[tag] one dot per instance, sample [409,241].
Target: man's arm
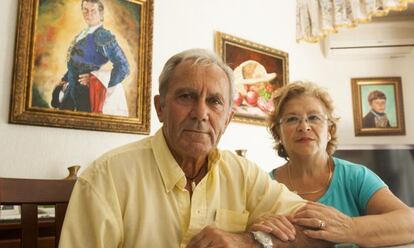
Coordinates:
[90,221]
[214,237]
[301,240]
[119,61]
[110,48]
[268,197]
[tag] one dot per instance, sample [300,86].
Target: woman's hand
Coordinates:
[324,222]
[278,225]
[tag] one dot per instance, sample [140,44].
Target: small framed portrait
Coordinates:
[258,71]
[83,64]
[378,106]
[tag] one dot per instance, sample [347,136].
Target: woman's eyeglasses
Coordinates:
[311,119]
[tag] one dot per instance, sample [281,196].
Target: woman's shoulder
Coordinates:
[278,173]
[348,168]
[355,173]
[347,165]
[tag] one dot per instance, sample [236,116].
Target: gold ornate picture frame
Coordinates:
[378,106]
[258,69]
[47,36]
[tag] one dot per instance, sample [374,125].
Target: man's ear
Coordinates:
[230,117]
[158,107]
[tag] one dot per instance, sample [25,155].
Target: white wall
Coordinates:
[44,152]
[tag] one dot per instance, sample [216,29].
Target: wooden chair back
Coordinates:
[29,193]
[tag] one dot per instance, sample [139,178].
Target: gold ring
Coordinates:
[322,224]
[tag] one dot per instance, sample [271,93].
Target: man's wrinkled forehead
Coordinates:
[91,5]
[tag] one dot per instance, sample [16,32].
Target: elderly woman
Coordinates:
[348,203]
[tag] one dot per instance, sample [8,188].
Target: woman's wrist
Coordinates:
[355,235]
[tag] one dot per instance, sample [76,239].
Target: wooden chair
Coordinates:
[29,193]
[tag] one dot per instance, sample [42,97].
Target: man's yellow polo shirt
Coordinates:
[134,196]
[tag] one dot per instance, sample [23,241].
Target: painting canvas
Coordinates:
[378,106]
[258,71]
[83,64]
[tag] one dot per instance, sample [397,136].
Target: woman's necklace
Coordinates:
[314,191]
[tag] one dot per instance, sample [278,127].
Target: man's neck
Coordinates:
[192,167]
[95,27]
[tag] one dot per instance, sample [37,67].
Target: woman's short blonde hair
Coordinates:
[293,90]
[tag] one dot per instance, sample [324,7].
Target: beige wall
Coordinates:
[43,152]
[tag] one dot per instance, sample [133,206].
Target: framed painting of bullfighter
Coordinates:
[83,64]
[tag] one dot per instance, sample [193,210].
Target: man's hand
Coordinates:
[214,237]
[84,79]
[64,85]
[280,226]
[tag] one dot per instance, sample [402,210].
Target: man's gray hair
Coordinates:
[198,56]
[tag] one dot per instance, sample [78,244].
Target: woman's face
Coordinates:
[304,127]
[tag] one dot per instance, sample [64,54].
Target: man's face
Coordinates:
[91,13]
[378,105]
[195,111]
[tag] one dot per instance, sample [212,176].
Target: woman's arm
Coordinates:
[388,221]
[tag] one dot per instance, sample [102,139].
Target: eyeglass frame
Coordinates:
[322,117]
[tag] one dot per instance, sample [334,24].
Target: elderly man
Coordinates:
[85,86]
[176,189]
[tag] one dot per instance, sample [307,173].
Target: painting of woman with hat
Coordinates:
[254,89]
[258,71]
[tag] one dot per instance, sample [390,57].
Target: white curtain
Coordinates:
[317,18]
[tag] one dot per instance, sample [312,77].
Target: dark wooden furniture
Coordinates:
[29,193]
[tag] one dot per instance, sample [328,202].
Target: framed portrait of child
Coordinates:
[378,106]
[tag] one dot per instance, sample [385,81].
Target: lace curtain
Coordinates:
[317,18]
